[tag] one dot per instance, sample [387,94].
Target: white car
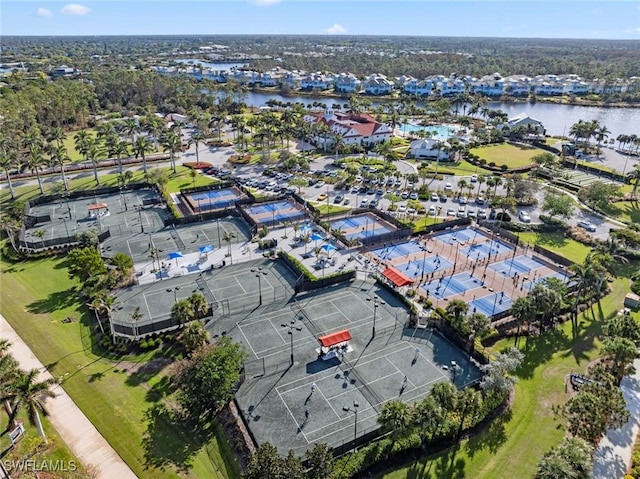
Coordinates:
[434,197]
[471,213]
[413,196]
[524,217]
[432,210]
[463,200]
[402,208]
[474,178]
[482,214]
[587,226]
[448,187]
[451,212]
[411,211]
[462,212]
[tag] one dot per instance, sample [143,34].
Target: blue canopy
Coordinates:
[175,254]
[206,249]
[316,237]
[305,229]
[328,247]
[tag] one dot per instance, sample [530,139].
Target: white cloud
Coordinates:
[264,3]
[336,29]
[75,9]
[43,12]
[632,30]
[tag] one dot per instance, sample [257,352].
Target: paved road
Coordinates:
[613,454]
[72,425]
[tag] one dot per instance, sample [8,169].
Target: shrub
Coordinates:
[635,287]
[504,167]
[203,165]
[492,164]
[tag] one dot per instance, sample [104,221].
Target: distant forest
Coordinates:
[361,55]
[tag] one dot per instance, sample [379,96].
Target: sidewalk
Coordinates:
[613,454]
[72,425]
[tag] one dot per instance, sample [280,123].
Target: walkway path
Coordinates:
[72,425]
[613,454]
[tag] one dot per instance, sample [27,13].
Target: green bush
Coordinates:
[635,287]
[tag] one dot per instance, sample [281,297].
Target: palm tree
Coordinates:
[9,372]
[28,393]
[634,176]
[34,162]
[194,336]
[119,150]
[523,312]
[428,415]
[469,402]
[130,127]
[135,317]
[228,237]
[59,157]
[141,147]
[196,139]
[395,416]
[8,161]
[456,310]
[462,184]
[172,143]
[93,151]
[198,304]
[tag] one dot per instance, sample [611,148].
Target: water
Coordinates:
[439,132]
[557,119]
[212,65]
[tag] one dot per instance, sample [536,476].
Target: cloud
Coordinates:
[336,29]
[264,3]
[632,30]
[75,9]
[43,12]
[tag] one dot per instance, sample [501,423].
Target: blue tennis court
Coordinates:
[421,266]
[397,250]
[269,208]
[520,264]
[495,303]
[374,230]
[480,251]
[528,285]
[461,236]
[213,195]
[445,287]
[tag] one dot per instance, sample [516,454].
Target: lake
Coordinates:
[214,66]
[557,119]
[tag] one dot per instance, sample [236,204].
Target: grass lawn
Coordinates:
[325,208]
[516,441]
[556,242]
[182,179]
[418,223]
[70,143]
[462,168]
[126,409]
[506,154]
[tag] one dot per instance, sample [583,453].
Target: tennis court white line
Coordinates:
[144,295]
[246,340]
[278,332]
[300,428]
[347,419]
[328,402]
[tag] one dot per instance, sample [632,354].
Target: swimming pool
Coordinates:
[439,132]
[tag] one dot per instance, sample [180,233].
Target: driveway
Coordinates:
[613,454]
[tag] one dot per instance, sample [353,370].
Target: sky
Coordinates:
[480,18]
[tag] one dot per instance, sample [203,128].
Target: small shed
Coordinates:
[334,344]
[632,301]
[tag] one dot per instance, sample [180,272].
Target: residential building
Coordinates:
[355,129]
[431,148]
[378,85]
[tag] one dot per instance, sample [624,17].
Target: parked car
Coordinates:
[474,178]
[402,208]
[320,184]
[338,199]
[479,200]
[346,201]
[471,213]
[444,198]
[404,195]
[434,197]
[373,203]
[524,217]
[323,197]
[463,200]
[462,212]
[482,214]
[432,210]
[413,196]
[451,212]
[364,203]
[411,211]
[587,226]
[448,187]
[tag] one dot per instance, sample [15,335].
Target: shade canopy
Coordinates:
[335,338]
[316,237]
[206,249]
[97,206]
[175,254]
[396,277]
[328,247]
[305,229]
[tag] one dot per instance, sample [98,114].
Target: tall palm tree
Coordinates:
[93,152]
[172,143]
[228,237]
[522,310]
[29,393]
[120,149]
[141,147]
[8,161]
[198,304]
[634,176]
[9,372]
[428,415]
[196,139]
[136,316]
[34,162]
[59,157]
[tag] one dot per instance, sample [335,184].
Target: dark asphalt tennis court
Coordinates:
[274,396]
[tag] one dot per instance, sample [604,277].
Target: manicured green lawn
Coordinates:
[506,154]
[556,242]
[419,223]
[182,179]
[70,143]
[35,297]
[513,444]
[325,208]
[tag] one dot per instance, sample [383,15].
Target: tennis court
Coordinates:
[461,236]
[424,266]
[488,248]
[520,264]
[397,250]
[214,199]
[362,226]
[452,285]
[271,214]
[528,285]
[491,305]
[312,400]
[373,230]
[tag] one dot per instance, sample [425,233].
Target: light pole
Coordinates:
[65,227]
[354,410]
[174,290]
[291,326]
[259,273]
[376,302]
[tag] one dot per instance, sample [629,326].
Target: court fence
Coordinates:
[306,281]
